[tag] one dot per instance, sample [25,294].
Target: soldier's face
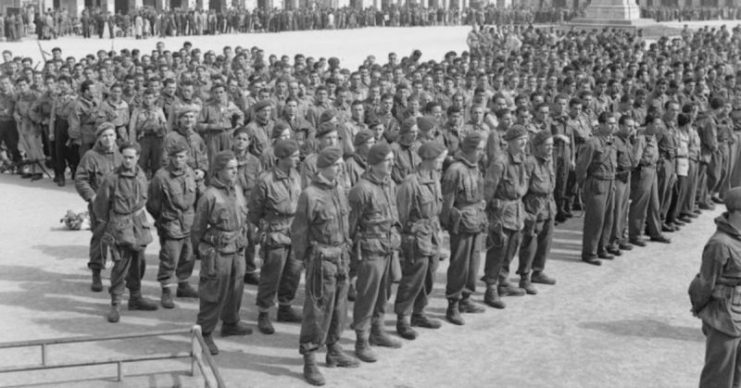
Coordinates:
[384,167]
[241,141]
[229,173]
[329,139]
[116,94]
[107,139]
[129,157]
[188,120]
[545,150]
[378,131]
[332,171]
[179,160]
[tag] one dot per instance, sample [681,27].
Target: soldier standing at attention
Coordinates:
[94,166]
[272,206]
[249,170]
[374,223]
[463,216]
[541,210]
[172,197]
[595,174]
[715,297]
[321,240]
[217,120]
[148,126]
[419,200]
[218,236]
[507,181]
[119,207]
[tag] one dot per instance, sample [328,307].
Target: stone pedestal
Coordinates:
[612,14]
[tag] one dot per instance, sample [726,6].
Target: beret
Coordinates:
[431,150]
[541,137]
[278,130]
[242,129]
[425,123]
[733,199]
[514,132]
[372,121]
[325,128]
[378,153]
[104,127]
[221,159]
[407,125]
[260,105]
[328,157]
[362,137]
[177,147]
[683,119]
[285,148]
[327,115]
[471,141]
[188,109]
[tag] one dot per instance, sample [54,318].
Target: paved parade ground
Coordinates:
[624,324]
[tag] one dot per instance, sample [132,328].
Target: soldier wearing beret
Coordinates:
[119,207]
[172,198]
[358,163]
[419,201]
[374,223]
[405,150]
[218,238]
[540,209]
[716,297]
[463,216]
[327,136]
[272,207]
[261,127]
[507,181]
[321,240]
[94,166]
[185,130]
[595,174]
[281,131]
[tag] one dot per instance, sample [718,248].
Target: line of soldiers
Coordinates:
[353,175]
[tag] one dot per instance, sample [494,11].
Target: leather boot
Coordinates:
[540,277]
[166,299]
[337,357]
[421,320]
[526,285]
[138,302]
[491,298]
[507,289]
[466,306]
[453,315]
[239,328]
[185,290]
[97,285]
[210,344]
[404,328]
[362,347]
[264,324]
[311,371]
[252,279]
[114,315]
[286,313]
[379,337]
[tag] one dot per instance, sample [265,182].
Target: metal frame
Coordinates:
[203,360]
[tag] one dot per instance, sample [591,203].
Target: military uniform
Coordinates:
[405,160]
[249,170]
[627,159]
[93,168]
[82,120]
[172,198]
[148,126]
[8,129]
[218,236]
[644,193]
[272,207]
[64,154]
[119,207]
[595,174]
[197,152]
[463,216]
[666,166]
[563,155]
[216,125]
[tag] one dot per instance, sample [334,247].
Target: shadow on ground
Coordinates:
[648,328]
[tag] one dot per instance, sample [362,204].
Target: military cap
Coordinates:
[431,150]
[514,132]
[104,127]
[362,137]
[325,128]
[541,137]
[278,130]
[425,123]
[242,129]
[328,157]
[733,199]
[372,121]
[471,141]
[378,153]
[260,105]
[177,147]
[187,109]
[327,115]
[407,125]
[285,148]
[221,159]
